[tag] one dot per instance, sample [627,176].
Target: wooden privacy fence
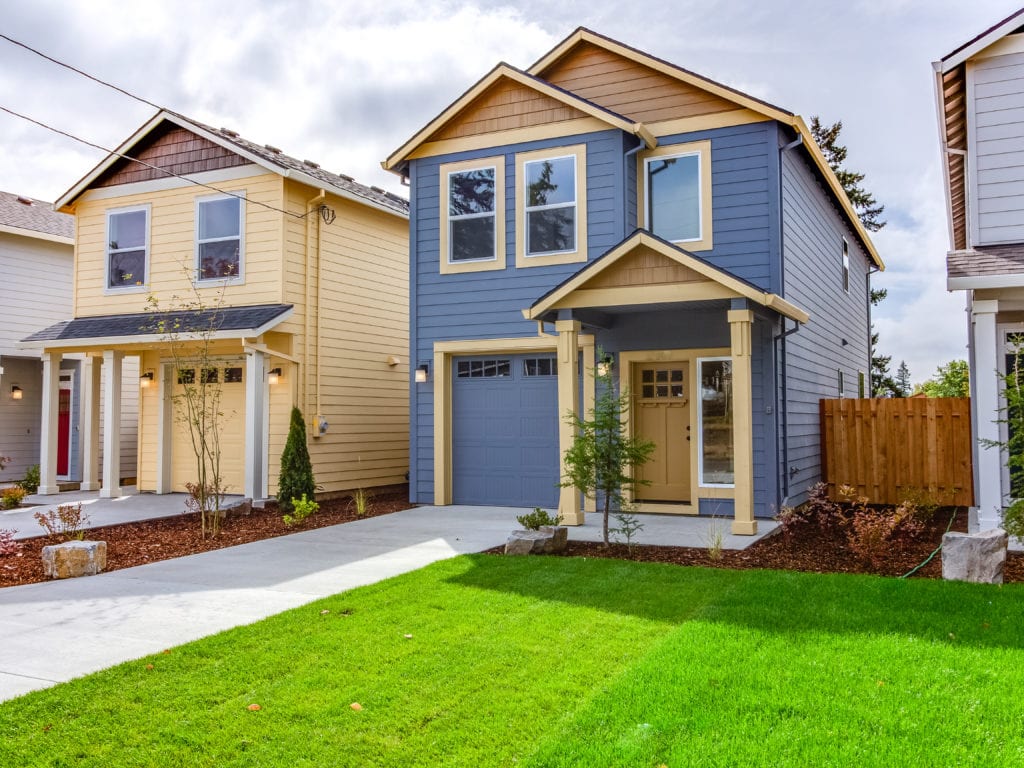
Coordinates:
[899,448]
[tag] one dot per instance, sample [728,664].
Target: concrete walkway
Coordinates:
[55,631]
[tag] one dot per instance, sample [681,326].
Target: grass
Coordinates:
[559,661]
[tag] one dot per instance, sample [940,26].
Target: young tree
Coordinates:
[603,459]
[950,380]
[296,478]
[903,380]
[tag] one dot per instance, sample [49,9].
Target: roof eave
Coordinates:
[36,234]
[981,42]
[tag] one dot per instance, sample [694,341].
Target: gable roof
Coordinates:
[267,157]
[745,104]
[22,215]
[694,270]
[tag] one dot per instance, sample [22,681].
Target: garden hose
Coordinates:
[936,551]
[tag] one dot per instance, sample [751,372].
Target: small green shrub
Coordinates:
[11,498]
[361,503]
[30,483]
[1013,520]
[302,509]
[296,478]
[534,521]
[68,522]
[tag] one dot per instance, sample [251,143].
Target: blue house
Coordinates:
[606,200]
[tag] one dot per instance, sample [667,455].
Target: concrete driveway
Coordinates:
[55,631]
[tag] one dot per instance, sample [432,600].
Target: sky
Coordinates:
[345,83]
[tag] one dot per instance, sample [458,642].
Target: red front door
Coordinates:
[63,431]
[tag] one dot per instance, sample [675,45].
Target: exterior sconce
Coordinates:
[274,376]
[605,365]
[16,393]
[146,379]
[422,373]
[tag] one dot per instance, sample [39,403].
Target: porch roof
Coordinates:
[153,327]
[643,270]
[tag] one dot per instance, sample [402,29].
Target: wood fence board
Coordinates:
[890,450]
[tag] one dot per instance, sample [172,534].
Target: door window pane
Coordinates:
[716,423]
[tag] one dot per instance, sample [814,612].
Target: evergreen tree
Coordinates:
[863,202]
[296,477]
[903,379]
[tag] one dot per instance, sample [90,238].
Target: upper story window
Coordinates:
[219,238]
[128,247]
[846,266]
[675,194]
[472,220]
[551,206]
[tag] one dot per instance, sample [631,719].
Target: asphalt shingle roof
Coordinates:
[149,323]
[986,260]
[35,215]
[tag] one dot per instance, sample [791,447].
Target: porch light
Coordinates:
[16,393]
[605,365]
[146,379]
[274,376]
[422,373]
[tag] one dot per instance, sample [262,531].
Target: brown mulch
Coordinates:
[148,541]
[811,550]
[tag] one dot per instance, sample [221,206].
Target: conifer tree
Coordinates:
[296,476]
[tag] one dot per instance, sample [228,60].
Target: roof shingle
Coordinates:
[25,213]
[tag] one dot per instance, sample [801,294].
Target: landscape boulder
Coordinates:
[243,507]
[976,557]
[548,540]
[74,558]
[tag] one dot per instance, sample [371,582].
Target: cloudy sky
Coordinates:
[344,83]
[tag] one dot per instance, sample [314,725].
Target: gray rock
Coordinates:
[559,537]
[546,541]
[74,558]
[977,557]
[243,507]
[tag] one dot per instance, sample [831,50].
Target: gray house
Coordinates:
[604,199]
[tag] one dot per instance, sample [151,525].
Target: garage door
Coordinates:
[505,431]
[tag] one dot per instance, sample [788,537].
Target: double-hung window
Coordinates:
[551,206]
[675,194]
[127,247]
[472,226]
[219,238]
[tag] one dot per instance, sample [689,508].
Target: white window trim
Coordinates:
[846,266]
[494,262]
[700,149]
[238,279]
[578,254]
[528,209]
[697,384]
[118,289]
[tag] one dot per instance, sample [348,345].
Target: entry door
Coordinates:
[661,414]
[63,429]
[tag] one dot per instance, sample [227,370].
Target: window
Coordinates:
[675,194]
[717,467]
[232,375]
[551,206]
[540,366]
[483,369]
[861,384]
[219,237]
[127,247]
[842,383]
[472,220]
[187,376]
[846,266]
[209,375]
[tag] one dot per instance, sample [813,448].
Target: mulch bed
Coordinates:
[148,541]
[811,550]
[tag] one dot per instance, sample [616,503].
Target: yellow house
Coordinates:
[299,277]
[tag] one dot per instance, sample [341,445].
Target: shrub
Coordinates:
[534,521]
[360,503]
[30,483]
[8,546]
[68,522]
[303,508]
[873,533]
[1013,519]
[11,498]
[296,478]
[819,511]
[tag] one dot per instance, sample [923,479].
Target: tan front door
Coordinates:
[661,414]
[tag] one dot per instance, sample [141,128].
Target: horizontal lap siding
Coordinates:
[363,317]
[172,248]
[997,119]
[32,269]
[813,232]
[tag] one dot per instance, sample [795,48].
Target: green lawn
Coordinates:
[557,661]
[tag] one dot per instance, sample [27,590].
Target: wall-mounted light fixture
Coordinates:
[422,373]
[16,393]
[605,365]
[274,376]
[146,379]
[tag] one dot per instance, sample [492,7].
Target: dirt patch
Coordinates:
[148,541]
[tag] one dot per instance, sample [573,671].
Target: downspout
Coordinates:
[782,405]
[317,429]
[625,186]
[307,315]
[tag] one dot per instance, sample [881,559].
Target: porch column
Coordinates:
[255,423]
[48,424]
[988,491]
[91,370]
[111,424]
[164,427]
[569,508]
[743,522]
